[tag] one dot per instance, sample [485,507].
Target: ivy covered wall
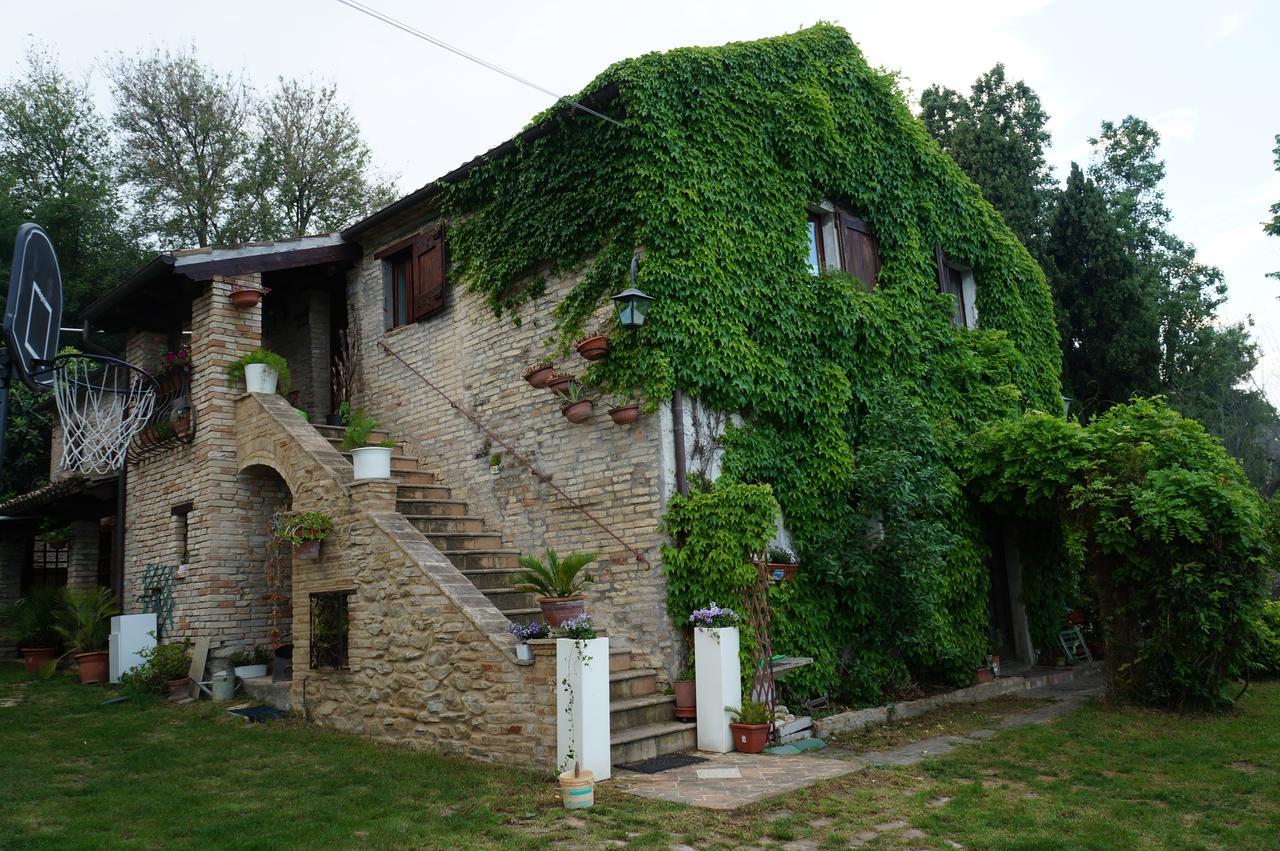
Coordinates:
[856,404]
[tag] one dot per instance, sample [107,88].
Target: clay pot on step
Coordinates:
[557,610]
[749,738]
[983,675]
[92,667]
[686,699]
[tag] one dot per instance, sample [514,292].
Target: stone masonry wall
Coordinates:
[430,664]
[478,361]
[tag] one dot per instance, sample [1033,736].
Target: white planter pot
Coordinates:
[246,672]
[719,684]
[524,653]
[372,462]
[582,706]
[260,378]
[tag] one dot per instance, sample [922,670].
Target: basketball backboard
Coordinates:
[33,310]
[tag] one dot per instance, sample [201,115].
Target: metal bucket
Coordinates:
[224,685]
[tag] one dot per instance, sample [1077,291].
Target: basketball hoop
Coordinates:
[103,402]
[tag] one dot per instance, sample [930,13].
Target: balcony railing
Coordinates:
[173,421]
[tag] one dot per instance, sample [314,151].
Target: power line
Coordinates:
[417,33]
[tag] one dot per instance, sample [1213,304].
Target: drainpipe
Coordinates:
[117,557]
[677,428]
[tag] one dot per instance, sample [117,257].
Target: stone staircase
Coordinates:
[642,722]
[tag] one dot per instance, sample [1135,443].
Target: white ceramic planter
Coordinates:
[719,684]
[372,462]
[247,672]
[582,706]
[524,653]
[260,378]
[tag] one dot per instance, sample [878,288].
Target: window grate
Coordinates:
[329,631]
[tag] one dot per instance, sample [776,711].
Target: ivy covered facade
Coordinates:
[821,269]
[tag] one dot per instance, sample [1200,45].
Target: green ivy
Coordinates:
[855,405]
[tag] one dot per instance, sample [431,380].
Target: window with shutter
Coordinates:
[413,278]
[959,283]
[428,276]
[859,254]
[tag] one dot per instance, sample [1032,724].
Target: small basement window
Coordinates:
[329,631]
[413,278]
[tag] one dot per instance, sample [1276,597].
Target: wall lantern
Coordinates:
[632,304]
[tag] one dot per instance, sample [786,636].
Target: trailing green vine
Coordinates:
[855,405]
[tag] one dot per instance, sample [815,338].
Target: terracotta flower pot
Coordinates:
[557,610]
[308,550]
[749,738]
[594,348]
[36,658]
[182,425]
[983,675]
[178,689]
[539,375]
[624,415]
[245,298]
[578,412]
[60,544]
[686,699]
[92,667]
[170,382]
[782,571]
[559,384]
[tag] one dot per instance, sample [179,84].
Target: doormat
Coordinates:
[666,762]
[258,714]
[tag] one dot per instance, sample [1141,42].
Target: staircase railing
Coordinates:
[514,453]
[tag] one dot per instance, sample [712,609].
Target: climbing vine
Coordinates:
[854,404]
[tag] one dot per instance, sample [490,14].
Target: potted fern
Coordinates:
[262,371]
[559,582]
[371,460]
[85,626]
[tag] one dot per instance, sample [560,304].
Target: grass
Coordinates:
[952,720]
[77,774]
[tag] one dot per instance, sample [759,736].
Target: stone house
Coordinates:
[418,567]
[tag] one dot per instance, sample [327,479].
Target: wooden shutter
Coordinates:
[951,283]
[859,254]
[428,276]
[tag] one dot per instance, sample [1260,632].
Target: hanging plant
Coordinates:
[539,375]
[579,407]
[245,296]
[304,531]
[559,384]
[595,347]
[626,411]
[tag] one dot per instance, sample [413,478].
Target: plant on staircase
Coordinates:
[371,459]
[262,372]
[559,582]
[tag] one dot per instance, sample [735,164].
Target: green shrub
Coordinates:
[161,663]
[304,526]
[1266,649]
[360,426]
[32,620]
[84,621]
[235,369]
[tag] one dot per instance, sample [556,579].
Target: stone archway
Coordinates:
[263,613]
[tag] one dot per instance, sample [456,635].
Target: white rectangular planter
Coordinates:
[130,635]
[260,378]
[582,706]
[371,462]
[719,684]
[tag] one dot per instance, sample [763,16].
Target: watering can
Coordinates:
[225,684]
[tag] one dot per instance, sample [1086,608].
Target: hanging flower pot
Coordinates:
[244,296]
[593,348]
[578,412]
[625,414]
[182,425]
[307,550]
[559,384]
[782,571]
[539,375]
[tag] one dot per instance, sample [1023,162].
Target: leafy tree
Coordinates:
[312,169]
[1109,326]
[185,135]
[997,136]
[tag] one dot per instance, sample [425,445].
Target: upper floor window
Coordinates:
[413,278]
[840,240]
[958,282]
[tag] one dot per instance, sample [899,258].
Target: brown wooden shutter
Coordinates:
[859,254]
[428,276]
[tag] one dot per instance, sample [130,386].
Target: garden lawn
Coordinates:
[77,774]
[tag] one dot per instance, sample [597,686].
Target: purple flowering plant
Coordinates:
[579,628]
[528,632]
[714,617]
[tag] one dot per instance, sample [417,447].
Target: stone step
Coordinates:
[493,577]
[633,682]
[510,599]
[413,478]
[443,507]
[264,690]
[466,560]
[465,541]
[336,432]
[619,659]
[429,495]
[651,740]
[522,616]
[641,711]
[449,524]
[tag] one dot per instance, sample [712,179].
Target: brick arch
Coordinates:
[268,461]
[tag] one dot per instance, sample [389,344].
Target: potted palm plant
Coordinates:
[304,530]
[262,372]
[559,582]
[371,459]
[85,625]
[31,624]
[750,726]
[578,407]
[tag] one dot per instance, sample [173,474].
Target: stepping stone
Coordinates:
[719,774]
[809,745]
[783,750]
[891,825]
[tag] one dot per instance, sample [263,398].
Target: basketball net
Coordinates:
[103,404]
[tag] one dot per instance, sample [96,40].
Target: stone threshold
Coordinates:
[858,719]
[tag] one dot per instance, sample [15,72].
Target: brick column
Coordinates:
[82,555]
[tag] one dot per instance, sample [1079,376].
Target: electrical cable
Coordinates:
[417,33]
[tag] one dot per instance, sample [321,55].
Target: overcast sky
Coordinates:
[1204,74]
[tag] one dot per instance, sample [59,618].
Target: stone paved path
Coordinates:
[728,781]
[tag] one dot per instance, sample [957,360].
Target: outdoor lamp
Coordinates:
[632,304]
